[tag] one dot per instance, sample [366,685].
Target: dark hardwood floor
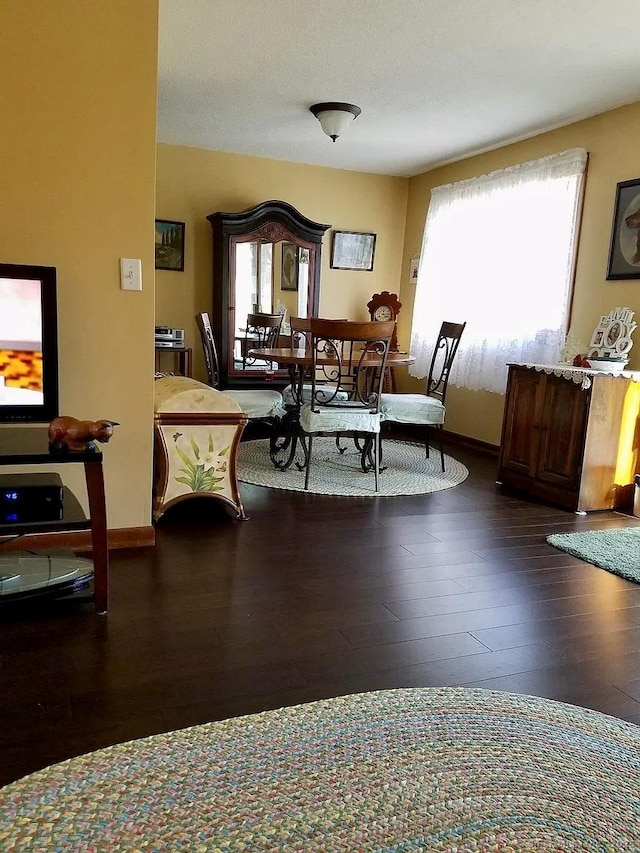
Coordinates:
[315,597]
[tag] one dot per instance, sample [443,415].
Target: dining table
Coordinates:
[298,361]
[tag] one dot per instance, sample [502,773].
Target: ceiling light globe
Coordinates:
[335,117]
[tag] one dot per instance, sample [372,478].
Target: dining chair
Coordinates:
[300,332]
[428,409]
[261,330]
[347,370]
[298,392]
[258,404]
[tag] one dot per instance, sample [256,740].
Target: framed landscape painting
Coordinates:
[169,245]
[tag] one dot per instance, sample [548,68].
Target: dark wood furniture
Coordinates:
[303,358]
[259,404]
[382,307]
[184,358]
[298,361]
[30,446]
[572,443]
[428,410]
[386,306]
[342,353]
[261,330]
[269,222]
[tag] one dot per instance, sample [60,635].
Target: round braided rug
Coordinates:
[407,472]
[399,770]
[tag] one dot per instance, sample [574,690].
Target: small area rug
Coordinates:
[407,472]
[617,551]
[443,770]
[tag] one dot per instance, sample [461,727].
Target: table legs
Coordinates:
[99,547]
[287,443]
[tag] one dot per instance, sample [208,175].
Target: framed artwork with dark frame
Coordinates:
[624,251]
[169,245]
[352,250]
[289,271]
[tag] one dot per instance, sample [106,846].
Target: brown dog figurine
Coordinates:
[70,434]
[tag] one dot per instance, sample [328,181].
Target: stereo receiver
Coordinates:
[30,497]
[167,337]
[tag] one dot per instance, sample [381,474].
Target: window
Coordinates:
[498,252]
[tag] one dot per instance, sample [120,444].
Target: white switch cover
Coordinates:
[130,273]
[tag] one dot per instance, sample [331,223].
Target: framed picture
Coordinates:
[413,270]
[352,250]
[612,336]
[290,261]
[169,245]
[624,252]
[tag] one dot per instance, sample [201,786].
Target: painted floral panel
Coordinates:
[199,459]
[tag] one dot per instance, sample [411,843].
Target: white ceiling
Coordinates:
[437,80]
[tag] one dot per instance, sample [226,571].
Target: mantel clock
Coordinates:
[385,306]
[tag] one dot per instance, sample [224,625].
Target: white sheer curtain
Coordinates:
[498,252]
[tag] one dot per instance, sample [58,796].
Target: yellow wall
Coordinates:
[192,183]
[77,184]
[614,155]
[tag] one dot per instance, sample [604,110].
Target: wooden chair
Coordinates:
[261,330]
[259,404]
[300,332]
[428,409]
[301,338]
[350,359]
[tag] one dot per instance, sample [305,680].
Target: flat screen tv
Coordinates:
[28,344]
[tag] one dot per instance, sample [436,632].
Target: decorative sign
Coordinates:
[611,338]
[413,270]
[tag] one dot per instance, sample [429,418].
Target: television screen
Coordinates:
[28,344]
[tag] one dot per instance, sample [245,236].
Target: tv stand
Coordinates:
[21,445]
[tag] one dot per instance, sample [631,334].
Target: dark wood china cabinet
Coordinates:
[266,259]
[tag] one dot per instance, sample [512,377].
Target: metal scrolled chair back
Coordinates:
[348,348]
[265,328]
[261,330]
[442,359]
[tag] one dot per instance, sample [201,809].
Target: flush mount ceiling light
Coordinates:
[335,117]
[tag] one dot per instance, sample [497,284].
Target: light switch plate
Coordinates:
[130,273]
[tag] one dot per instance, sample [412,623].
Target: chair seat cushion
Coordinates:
[289,398]
[338,418]
[411,409]
[258,403]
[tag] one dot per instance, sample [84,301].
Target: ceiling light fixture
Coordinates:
[335,117]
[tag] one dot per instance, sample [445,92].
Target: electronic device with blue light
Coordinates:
[30,497]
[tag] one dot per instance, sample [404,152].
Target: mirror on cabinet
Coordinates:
[266,260]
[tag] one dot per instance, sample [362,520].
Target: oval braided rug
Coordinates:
[408,471]
[398,770]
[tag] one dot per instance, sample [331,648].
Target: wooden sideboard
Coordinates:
[570,436]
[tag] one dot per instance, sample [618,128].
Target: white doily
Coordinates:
[580,375]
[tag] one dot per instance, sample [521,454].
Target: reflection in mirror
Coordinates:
[253,292]
[265,260]
[270,278]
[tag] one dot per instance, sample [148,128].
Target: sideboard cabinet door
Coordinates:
[521,424]
[565,406]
